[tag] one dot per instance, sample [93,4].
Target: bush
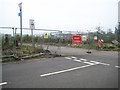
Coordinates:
[109,47]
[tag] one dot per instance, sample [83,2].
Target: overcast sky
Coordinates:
[65,15]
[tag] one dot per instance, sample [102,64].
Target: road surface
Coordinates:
[76,69]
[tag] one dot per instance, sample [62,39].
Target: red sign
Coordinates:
[76,39]
[20,5]
[99,43]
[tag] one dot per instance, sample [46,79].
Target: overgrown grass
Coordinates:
[9,55]
[27,49]
[105,47]
[110,47]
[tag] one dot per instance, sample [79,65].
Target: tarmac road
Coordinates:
[76,69]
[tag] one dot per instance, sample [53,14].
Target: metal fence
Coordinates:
[40,41]
[43,39]
[31,41]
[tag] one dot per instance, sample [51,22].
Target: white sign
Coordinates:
[95,37]
[84,38]
[102,40]
[32,25]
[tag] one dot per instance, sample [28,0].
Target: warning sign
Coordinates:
[99,43]
[84,38]
[46,35]
[76,39]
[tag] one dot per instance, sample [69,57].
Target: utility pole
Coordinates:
[20,14]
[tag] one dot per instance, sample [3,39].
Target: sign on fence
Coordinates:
[76,39]
[84,37]
[46,35]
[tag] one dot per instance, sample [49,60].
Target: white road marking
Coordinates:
[83,59]
[73,57]
[67,70]
[67,58]
[95,62]
[89,63]
[117,66]
[3,83]
[78,60]
[105,64]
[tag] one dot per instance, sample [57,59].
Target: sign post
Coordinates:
[46,39]
[32,26]
[20,14]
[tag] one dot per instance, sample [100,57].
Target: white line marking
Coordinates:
[83,59]
[105,64]
[78,60]
[117,66]
[67,58]
[89,63]
[3,83]
[62,71]
[92,62]
[95,62]
[86,62]
[73,57]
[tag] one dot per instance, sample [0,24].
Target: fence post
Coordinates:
[33,44]
[13,42]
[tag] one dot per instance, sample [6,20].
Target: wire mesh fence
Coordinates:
[31,42]
[43,41]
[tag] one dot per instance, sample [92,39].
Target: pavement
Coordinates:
[76,69]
